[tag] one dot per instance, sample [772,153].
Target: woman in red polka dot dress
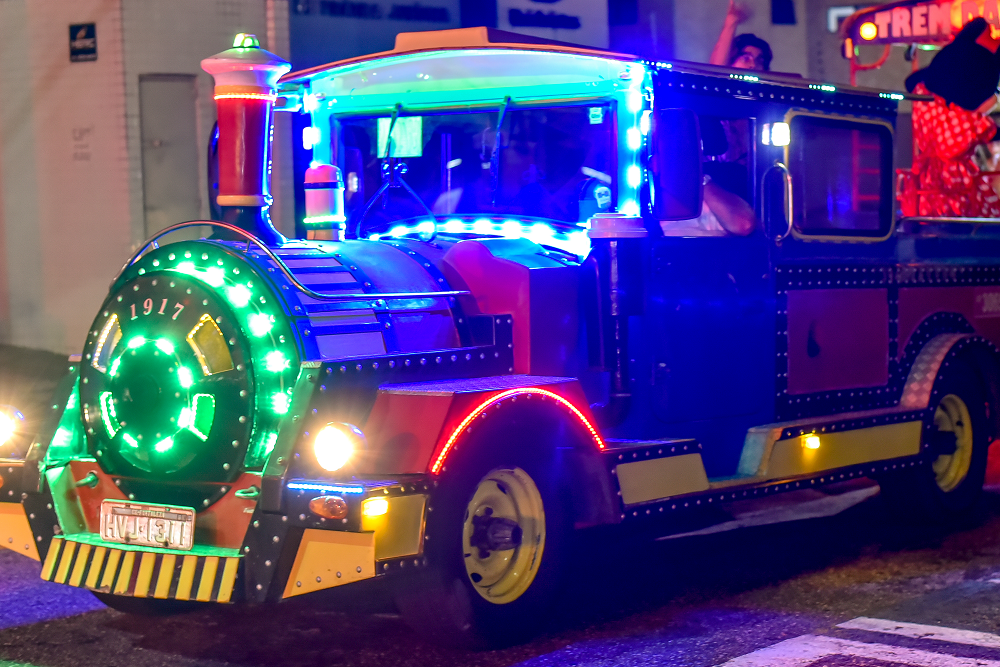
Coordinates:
[962,79]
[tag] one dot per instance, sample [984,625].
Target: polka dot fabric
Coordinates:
[945,181]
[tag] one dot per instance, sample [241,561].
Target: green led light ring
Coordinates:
[253,300]
[163,455]
[144,415]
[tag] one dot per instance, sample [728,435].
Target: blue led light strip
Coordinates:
[326,488]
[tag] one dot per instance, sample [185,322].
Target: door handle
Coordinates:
[789,204]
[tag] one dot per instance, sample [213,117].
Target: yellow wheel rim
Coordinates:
[503,535]
[952,416]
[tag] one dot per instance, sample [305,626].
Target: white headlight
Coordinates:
[11,421]
[335,444]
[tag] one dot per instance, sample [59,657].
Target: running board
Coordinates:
[654,476]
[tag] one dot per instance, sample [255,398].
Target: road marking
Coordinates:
[918,631]
[807,649]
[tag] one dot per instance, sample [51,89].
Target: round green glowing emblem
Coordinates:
[187,373]
[168,388]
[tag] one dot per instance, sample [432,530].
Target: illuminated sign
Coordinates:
[922,22]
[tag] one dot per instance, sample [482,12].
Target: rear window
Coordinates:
[841,176]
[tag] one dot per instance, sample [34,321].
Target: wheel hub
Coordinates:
[952,422]
[492,533]
[503,535]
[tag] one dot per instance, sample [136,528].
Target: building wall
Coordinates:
[64,166]
[71,195]
[643,27]
[173,38]
[324,31]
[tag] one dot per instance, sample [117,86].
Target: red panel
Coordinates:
[408,428]
[500,286]
[224,524]
[979,305]
[402,431]
[837,339]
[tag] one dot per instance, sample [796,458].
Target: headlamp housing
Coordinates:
[336,444]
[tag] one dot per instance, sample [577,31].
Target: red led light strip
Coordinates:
[247,96]
[493,400]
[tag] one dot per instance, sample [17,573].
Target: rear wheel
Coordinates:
[947,486]
[496,543]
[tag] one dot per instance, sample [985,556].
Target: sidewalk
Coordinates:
[27,380]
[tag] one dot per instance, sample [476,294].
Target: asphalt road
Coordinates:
[849,589]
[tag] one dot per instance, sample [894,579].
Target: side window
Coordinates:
[726,145]
[841,177]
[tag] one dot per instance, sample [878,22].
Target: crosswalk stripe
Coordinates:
[807,649]
[917,631]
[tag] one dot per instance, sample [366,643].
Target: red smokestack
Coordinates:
[246,77]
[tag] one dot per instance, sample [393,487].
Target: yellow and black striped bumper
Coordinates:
[143,574]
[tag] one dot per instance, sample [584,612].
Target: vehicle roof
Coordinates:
[465,56]
[409,43]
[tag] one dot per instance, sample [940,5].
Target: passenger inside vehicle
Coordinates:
[726,206]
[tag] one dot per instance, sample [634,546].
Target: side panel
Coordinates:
[15,533]
[328,558]
[980,305]
[837,339]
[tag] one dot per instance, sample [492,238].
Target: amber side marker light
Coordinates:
[329,507]
[868,31]
[375,507]
[810,441]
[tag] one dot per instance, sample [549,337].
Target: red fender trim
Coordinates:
[501,396]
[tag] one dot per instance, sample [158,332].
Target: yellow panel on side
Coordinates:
[400,531]
[792,457]
[15,533]
[328,558]
[643,481]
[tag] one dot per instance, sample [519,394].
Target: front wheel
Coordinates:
[495,547]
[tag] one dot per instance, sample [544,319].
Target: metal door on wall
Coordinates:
[169,135]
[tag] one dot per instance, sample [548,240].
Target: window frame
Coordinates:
[611,102]
[885,231]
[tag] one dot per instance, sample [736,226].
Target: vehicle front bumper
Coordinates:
[285,554]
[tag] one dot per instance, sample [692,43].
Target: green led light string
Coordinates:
[195,331]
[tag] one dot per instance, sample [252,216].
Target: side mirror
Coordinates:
[676,164]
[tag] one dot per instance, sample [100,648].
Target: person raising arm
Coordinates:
[747,51]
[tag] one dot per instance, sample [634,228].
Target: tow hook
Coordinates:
[490,533]
[90,481]
[248,493]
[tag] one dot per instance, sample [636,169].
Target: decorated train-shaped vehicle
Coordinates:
[546,289]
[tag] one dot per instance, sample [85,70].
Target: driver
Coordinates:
[725,209]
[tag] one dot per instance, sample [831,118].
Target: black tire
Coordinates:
[945,491]
[147,606]
[443,601]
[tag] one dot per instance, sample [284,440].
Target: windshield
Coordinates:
[554,163]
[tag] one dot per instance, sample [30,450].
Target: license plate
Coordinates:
[162,526]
